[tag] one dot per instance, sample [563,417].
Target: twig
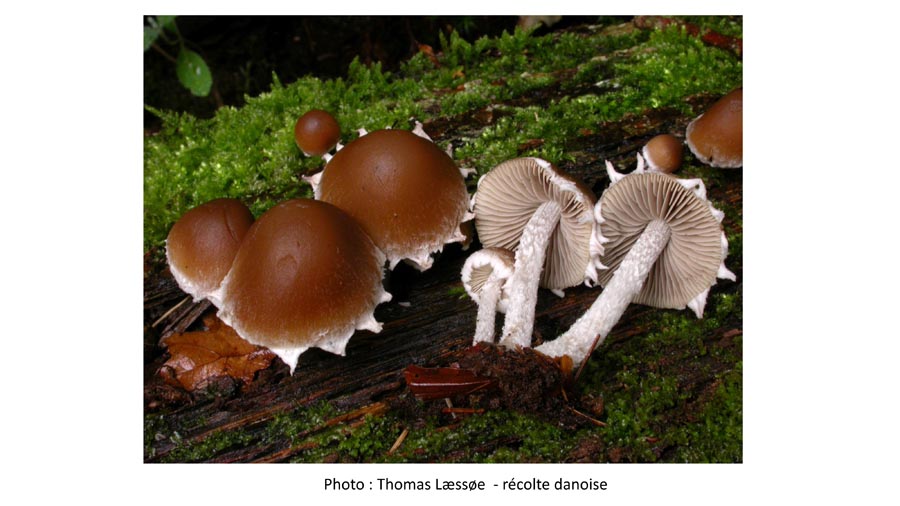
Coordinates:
[170,311]
[591,419]
[399,441]
[586,357]
[164,53]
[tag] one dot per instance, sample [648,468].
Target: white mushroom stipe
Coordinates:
[314,181]
[487,310]
[523,284]
[485,276]
[420,131]
[665,247]
[615,298]
[561,246]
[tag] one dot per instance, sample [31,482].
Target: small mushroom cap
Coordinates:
[508,196]
[716,137]
[305,276]
[316,132]
[690,261]
[483,265]
[202,244]
[663,153]
[407,194]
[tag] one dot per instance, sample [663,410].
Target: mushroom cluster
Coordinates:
[308,273]
[651,239]
[545,216]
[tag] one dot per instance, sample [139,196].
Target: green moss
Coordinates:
[292,425]
[645,398]
[717,436]
[207,448]
[672,65]
[496,436]
[249,153]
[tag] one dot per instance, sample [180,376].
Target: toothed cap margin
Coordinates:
[305,276]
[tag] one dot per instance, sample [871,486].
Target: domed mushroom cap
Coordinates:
[690,261]
[316,132]
[407,194]
[484,265]
[305,276]
[663,153]
[202,244]
[508,196]
[716,137]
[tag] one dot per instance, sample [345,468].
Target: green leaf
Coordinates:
[166,22]
[150,36]
[193,72]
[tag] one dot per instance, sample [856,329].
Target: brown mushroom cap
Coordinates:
[202,244]
[316,132]
[305,276]
[716,137]
[407,194]
[508,196]
[690,261]
[663,153]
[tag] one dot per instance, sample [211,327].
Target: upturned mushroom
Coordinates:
[664,246]
[716,137]
[317,132]
[202,244]
[306,276]
[663,153]
[529,206]
[408,195]
[484,275]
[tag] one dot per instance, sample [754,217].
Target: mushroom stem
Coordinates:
[604,313]
[523,284]
[487,310]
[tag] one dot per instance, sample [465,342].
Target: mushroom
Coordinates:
[716,137]
[663,153]
[407,194]
[317,132]
[484,276]
[664,246]
[201,245]
[306,276]
[529,206]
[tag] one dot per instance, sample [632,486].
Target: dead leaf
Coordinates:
[197,357]
[429,52]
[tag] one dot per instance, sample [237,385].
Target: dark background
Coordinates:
[243,52]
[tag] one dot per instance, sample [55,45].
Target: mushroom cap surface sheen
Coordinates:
[202,244]
[509,195]
[663,153]
[316,132]
[407,194]
[305,276]
[716,137]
